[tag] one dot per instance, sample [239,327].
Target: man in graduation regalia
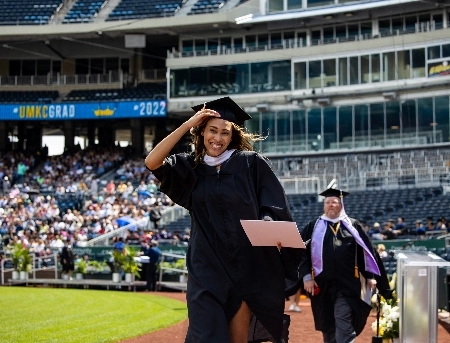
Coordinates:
[339,266]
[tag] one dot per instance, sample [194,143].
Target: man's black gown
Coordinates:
[224,269]
[339,274]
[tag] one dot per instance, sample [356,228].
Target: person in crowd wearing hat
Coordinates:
[375,232]
[339,260]
[231,284]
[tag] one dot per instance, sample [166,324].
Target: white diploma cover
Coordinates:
[268,233]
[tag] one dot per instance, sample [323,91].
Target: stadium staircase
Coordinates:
[61,12]
[106,10]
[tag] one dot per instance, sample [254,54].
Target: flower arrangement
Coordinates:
[388,324]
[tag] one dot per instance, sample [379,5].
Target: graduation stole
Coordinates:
[318,235]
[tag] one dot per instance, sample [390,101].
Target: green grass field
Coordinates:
[71,315]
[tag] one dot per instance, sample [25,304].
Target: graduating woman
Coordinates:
[232,286]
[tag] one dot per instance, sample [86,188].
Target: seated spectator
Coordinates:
[440,225]
[375,232]
[382,251]
[110,188]
[400,227]
[430,226]
[420,229]
[387,232]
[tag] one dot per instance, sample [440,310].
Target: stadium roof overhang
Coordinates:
[346,10]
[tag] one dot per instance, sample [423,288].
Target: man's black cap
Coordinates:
[227,109]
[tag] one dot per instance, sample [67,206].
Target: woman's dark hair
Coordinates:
[240,140]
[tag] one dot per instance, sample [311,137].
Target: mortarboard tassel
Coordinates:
[356,272]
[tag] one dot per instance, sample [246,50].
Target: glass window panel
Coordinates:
[280,76]
[343,71]
[384,26]
[377,125]
[43,67]
[259,76]
[97,65]
[434,52]
[329,128]
[442,113]
[300,75]
[275,40]
[252,125]
[125,65]
[418,62]
[345,128]
[15,67]
[275,5]
[213,44]
[187,45]
[393,123]
[28,67]
[404,64]
[316,37]
[446,50]
[283,131]
[200,45]
[81,66]
[366,29]
[263,40]
[314,74]
[425,117]
[268,129]
[361,126]
[365,69]
[410,23]
[328,34]
[315,139]
[56,67]
[301,37]
[354,70]
[226,42]
[250,41]
[329,71]
[438,20]
[238,44]
[294,4]
[408,119]
[424,17]
[397,25]
[353,31]
[316,3]
[112,64]
[375,65]
[341,31]
[389,66]
[299,130]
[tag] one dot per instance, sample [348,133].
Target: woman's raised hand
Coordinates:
[199,117]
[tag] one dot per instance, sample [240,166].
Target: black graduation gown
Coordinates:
[339,274]
[224,269]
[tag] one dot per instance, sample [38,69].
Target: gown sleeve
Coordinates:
[272,202]
[177,179]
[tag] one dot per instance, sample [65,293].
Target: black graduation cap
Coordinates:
[227,108]
[331,191]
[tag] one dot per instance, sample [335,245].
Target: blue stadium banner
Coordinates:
[91,110]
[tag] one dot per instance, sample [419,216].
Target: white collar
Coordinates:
[215,161]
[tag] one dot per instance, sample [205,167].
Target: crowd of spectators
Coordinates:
[392,229]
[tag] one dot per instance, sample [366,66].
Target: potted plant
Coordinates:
[16,256]
[25,264]
[80,269]
[118,260]
[131,267]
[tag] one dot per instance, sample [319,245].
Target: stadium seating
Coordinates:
[83,11]
[29,12]
[28,96]
[206,6]
[136,9]
[155,91]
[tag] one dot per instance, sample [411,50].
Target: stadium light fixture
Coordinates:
[244,19]
[389,95]
[261,107]
[324,101]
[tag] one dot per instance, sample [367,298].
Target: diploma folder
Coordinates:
[268,233]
